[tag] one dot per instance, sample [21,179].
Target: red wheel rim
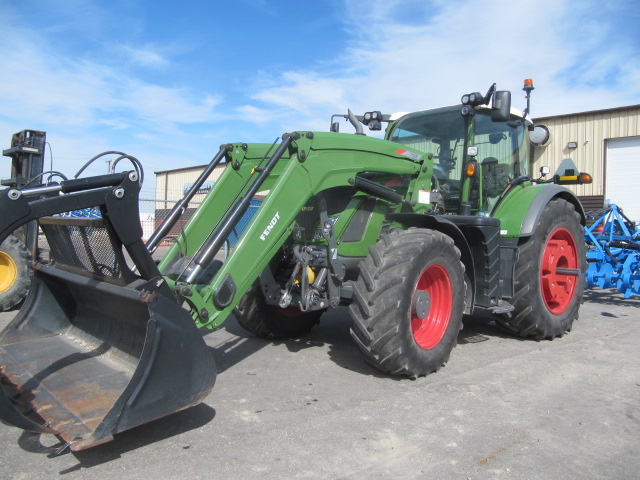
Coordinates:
[558,288]
[428,331]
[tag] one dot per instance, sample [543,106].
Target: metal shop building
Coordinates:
[171,185]
[604,143]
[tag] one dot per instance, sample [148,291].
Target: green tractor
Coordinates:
[412,231]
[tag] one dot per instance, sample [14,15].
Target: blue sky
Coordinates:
[169,82]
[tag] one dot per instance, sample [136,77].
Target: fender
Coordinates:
[450,229]
[520,211]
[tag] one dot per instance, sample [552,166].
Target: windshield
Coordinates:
[439,132]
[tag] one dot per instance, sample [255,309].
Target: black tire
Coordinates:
[393,325]
[15,272]
[547,303]
[269,321]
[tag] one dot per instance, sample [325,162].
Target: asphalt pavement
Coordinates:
[311,408]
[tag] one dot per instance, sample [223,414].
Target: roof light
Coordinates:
[473,99]
[528,84]
[373,119]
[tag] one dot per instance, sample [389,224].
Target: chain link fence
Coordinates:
[151,216]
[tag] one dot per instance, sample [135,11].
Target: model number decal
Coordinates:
[272,224]
[407,153]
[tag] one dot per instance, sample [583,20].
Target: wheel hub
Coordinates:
[431,306]
[557,273]
[421,304]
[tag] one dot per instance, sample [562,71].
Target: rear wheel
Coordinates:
[269,321]
[15,272]
[549,275]
[408,302]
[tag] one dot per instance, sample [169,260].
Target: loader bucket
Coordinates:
[93,351]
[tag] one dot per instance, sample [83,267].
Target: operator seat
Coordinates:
[495,177]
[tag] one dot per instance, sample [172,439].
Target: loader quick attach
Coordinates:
[411,231]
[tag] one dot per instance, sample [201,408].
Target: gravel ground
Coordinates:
[311,408]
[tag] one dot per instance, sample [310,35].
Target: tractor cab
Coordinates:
[468,170]
[477,150]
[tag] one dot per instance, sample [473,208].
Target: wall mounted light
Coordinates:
[572,145]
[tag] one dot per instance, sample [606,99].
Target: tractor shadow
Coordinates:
[611,297]
[333,335]
[232,344]
[127,441]
[480,327]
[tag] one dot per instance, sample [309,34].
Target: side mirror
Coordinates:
[335,127]
[501,106]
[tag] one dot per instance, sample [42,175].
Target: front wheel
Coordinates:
[408,302]
[270,321]
[549,275]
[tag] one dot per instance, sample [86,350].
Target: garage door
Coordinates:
[623,175]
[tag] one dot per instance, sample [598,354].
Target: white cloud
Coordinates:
[163,105]
[145,57]
[407,55]
[79,101]
[249,113]
[305,92]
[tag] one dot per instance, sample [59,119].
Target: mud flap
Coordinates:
[92,358]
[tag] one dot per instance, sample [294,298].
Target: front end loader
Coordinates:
[410,232]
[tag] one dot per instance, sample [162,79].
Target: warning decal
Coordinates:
[407,153]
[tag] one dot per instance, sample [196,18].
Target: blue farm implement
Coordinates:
[614,252]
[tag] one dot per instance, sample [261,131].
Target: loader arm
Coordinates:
[311,163]
[102,342]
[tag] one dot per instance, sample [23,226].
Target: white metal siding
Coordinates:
[170,184]
[590,130]
[622,175]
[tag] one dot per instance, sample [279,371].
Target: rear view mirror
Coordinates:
[501,106]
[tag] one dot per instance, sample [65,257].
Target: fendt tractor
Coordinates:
[411,232]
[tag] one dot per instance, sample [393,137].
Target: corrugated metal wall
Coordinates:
[590,130]
[171,184]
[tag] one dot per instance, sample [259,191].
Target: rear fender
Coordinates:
[521,209]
